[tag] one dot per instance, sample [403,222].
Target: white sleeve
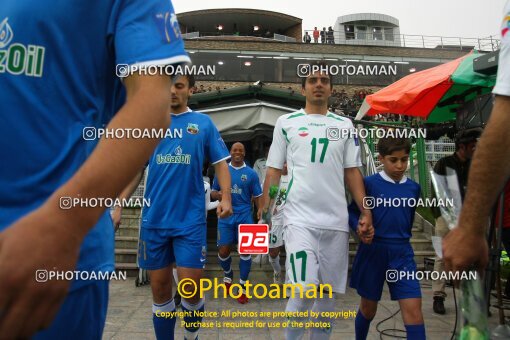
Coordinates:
[503,81]
[351,151]
[278,151]
[208,204]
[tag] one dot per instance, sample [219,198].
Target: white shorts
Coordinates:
[317,256]
[276,234]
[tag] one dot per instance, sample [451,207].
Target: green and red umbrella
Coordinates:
[432,94]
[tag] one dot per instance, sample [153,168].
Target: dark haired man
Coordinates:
[460,160]
[316,230]
[173,227]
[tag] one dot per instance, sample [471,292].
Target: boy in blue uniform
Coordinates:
[245,185]
[51,93]
[390,250]
[173,227]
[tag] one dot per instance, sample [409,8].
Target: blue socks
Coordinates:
[226,265]
[192,321]
[244,267]
[163,325]
[415,332]
[361,325]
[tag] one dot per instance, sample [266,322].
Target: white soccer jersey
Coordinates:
[280,198]
[260,169]
[503,81]
[316,159]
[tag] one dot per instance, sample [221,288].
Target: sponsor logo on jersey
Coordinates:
[192,128]
[177,158]
[167,23]
[244,178]
[303,131]
[18,58]
[236,190]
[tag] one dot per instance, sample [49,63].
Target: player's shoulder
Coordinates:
[199,116]
[291,118]
[338,120]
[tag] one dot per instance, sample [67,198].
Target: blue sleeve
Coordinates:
[215,184]
[256,188]
[147,32]
[216,148]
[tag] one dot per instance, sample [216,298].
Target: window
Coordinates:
[388,34]
[361,32]
[377,33]
[349,32]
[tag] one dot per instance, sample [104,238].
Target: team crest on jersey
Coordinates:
[303,131]
[192,128]
[244,178]
[167,23]
[19,59]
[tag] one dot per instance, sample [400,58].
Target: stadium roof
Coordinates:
[208,20]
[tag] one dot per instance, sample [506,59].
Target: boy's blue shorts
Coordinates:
[378,262]
[228,228]
[159,248]
[82,315]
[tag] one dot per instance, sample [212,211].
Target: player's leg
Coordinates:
[244,260]
[438,286]
[155,254]
[190,249]
[194,303]
[275,242]
[413,318]
[301,265]
[177,296]
[81,316]
[368,277]
[225,241]
[407,291]
[333,258]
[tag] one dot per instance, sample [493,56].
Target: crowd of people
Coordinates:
[324,36]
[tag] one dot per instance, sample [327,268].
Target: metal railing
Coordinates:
[221,34]
[406,40]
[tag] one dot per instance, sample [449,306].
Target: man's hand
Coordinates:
[260,213]
[42,240]
[464,250]
[116,217]
[224,209]
[365,228]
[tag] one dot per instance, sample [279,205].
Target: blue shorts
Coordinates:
[82,315]
[159,248]
[370,266]
[228,228]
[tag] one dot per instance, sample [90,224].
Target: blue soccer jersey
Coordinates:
[58,76]
[174,182]
[390,222]
[245,184]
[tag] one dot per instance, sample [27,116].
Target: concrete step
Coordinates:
[127,230]
[126,242]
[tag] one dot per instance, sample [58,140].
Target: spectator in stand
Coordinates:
[323,35]
[331,36]
[316,35]
[307,38]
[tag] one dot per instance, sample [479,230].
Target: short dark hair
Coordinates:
[387,146]
[321,64]
[191,80]
[467,136]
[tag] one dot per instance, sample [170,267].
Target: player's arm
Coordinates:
[224,209]
[124,195]
[465,246]
[271,183]
[50,237]
[354,181]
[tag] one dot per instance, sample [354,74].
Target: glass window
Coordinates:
[361,32]
[377,33]
[349,32]
[388,34]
